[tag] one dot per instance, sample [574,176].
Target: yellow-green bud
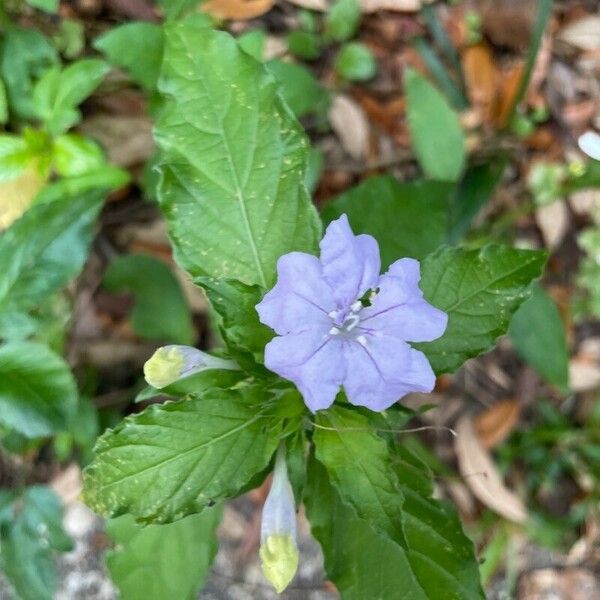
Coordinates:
[278,549]
[279,558]
[164,366]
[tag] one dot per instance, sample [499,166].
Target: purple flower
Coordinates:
[340,323]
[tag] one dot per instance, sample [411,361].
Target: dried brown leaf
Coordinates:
[371,6]
[495,423]
[350,124]
[481,76]
[16,195]
[482,477]
[583,34]
[553,221]
[239,10]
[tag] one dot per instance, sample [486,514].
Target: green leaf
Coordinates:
[137,48]
[304,44]
[480,290]
[407,219]
[473,193]
[359,465]
[3,104]
[232,186]
[299,88]
[360,561]
[162,561]
[38,394]
[15,156]
[235,303]
[30,531]
[76,155]
[49,6]
[46,247]
[253,43]
[155,287]
[435,130]
[201,450]
[26,55]
[16,325]
[440,554]
[538,335]
[355,62]
[342,20]
[58,93]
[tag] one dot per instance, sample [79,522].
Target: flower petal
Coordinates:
[384,370]
[312,360]
[301,297]
[351,264]
[399,308]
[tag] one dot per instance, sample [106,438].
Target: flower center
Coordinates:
[344,322]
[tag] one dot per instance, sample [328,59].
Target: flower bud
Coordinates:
[171,363]
[278,550]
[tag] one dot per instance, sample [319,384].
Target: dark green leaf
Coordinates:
[233,168]
[407,219]
[304,44]
[155,287]
[538,335]
[480,290]
[30,531]
[474,191]
[200,449]
[37,391]
[136,47]
[360,468]
[299,88]
[435,130]
[355,62]
[49,6]
[162,561]
[235,303]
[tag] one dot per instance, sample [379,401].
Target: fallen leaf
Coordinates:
[553,221]
[350,124]
[481,475]
[560,584]
[481,77]
[127,140]
[16,195]
[68,483]
[239,10]
[583,375]
[583,34]
[319,5]
[509,87]
[585,202]
[371,6]
[495,423]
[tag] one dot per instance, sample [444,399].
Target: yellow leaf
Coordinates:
[16,195]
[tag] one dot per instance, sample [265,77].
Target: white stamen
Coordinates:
[333,314]
[334,331]
[350,322]
[356,306]
[362,340]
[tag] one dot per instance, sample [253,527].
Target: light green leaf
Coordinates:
[235,303]
[58,93]
[136,47]
[538,335]
[359,465]
[155,287]
[299,88]
[46,247]
[49,6]
[407,219]
[355,62]
[15,156]
[30,531]
[232,186]
[480,290]
[253,43]
[201,450]
[16,325]
[435,130]
[26,55]
[162,561]
[38,394]
[342,20]
[76,155]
